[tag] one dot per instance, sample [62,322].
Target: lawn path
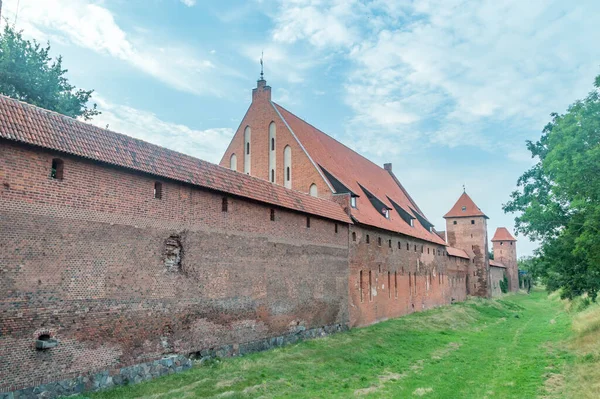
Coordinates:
[511,358]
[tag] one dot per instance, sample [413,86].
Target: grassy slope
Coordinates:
[475,349]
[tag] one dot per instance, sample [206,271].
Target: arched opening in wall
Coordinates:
[57,169]
[313,190]
[247,156]
[157,190]
[45,341]
[233,162]
[353,236]
[287,166]
[272,152]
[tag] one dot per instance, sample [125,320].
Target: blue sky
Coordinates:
[446,90]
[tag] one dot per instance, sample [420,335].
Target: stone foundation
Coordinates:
[167,365]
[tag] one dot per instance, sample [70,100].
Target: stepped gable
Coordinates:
[25,123]
[464,207]
[502,234]
[363,178]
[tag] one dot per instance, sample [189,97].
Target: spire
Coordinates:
[502,234]
[262,74]
[464,207]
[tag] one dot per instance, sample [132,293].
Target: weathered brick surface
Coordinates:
[83,260]
[470,235]
[506,253]
[418,279]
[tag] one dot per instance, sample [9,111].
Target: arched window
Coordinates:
[313,190]
[287,166]
[272,152]
[233,162]
[247,137]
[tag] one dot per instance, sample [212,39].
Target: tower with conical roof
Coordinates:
[466,229]
[505,252]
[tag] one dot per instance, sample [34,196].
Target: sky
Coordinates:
[448,91]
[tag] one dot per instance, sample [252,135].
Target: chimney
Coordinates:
[387,166]
[262,91]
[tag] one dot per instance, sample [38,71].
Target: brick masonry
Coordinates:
[506,253]
[88,261]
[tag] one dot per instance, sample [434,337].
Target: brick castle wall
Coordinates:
[397,279]
[470,235]
[121,278]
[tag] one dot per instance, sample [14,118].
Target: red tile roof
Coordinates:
[457,252]
[28,124]
[502,234]
[354,170]
[464,207]
[496,264]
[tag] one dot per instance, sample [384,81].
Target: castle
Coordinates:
[120,258]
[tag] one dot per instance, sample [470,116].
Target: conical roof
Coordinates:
[464,207]
[502,234]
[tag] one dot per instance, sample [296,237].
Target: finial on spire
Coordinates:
[262,75]
[464,189]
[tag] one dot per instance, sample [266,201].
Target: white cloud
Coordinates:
[189,3]
[207,144]
[87,24]
[322,23]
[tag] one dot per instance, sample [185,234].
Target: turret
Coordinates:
[466,229]
[505,252]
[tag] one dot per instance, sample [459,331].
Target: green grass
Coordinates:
[508,348]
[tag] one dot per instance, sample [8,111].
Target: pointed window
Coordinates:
[313,190]
[233,162]
[247,159]
[287,166]
[272,152]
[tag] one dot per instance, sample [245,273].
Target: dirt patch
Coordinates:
[382,379]
[422,391]
[228,383]
[554,385]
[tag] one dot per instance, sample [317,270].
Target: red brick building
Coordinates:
[121,258]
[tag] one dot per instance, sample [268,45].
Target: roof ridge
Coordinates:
[333,138]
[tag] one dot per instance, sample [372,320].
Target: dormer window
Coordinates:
[386,213]
[412,222]
[57,167]
[353,202]
[464,208]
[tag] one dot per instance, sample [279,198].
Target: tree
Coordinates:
[558,199]
[28,73]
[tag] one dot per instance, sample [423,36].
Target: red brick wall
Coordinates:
[83,259]
[505,252]
[259,116]
[473,239]
[434,279]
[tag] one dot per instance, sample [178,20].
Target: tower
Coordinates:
[505,251]
[466,229]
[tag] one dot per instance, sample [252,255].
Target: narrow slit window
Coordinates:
[247,148]
[272,215]
[399,245]
[353,236]
[336,228]
[287,173]
[370,286]
[308,222]
[407,248]
[272,175]
[360,286]
[157,190]
[225,204]
[272,144]
[396,284]
[390,243]
[454,222]
[472,222]
[368,239]
[379,241]
[57,169]
[389,284]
